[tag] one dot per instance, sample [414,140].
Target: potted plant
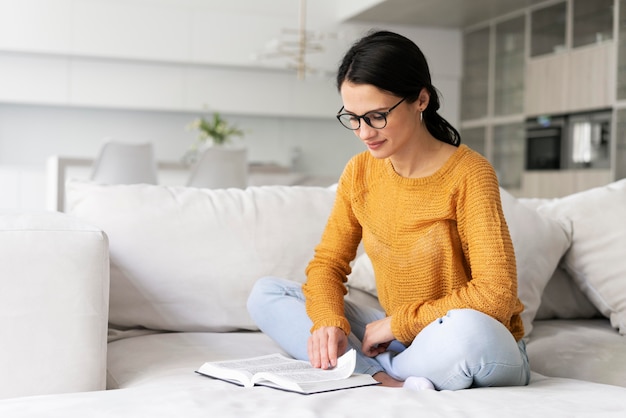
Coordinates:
[215,131]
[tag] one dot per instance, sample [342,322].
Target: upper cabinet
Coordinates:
[548,30]
[475,87]
[509,66]
[571,48]
[621,52]
[593,22]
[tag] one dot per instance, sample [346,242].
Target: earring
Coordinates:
[421,116]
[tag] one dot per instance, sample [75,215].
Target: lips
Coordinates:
[374,145]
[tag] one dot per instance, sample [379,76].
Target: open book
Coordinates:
[280,372]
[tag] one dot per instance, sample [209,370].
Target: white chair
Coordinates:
[125,163]
[219,168]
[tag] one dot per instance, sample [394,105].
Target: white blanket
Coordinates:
[156,382]
[204,397]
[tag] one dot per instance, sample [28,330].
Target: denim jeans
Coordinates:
[463,349]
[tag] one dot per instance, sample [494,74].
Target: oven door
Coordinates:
[544,138]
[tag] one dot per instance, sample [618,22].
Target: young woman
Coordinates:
[429,214]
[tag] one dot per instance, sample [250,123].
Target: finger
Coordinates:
[323,351]
[332,349]
[314,352]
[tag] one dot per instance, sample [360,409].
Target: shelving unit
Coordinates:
[476,75]
[554,57]
[509,66]
[548,30]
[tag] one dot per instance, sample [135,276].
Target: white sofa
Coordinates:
[182,262]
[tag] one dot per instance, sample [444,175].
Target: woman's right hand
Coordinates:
[325,345]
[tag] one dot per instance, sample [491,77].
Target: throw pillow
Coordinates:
[596,259]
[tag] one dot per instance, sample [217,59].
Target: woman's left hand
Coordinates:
[377,337]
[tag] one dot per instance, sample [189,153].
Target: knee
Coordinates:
[474,328]
[259,293]
[266,291]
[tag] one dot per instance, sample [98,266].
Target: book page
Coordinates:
[243,369]
[278,371]
[292,376]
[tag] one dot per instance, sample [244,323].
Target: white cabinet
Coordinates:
[591,77]
[580,79]
[546,84]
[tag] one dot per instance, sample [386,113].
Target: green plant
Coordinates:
[218,130]
[211,131]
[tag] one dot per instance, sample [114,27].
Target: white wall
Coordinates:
[74,72]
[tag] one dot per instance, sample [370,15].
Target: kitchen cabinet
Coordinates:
[620,144]
[592,22]
[475,86]
[508,154]
[591,77]
[621,52]
[509,66]
[546,84]
[548,29]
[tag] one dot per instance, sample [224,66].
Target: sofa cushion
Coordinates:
[584,349]
[563,299]
[596,259]
[185,259]
[539,244]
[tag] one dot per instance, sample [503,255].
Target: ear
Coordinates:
[423,99]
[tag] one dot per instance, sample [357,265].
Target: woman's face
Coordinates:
[402,123]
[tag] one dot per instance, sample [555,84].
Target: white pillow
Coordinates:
[597,257]
[185,259]
[539,244]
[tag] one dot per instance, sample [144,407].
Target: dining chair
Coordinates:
[219,168]
[125,163]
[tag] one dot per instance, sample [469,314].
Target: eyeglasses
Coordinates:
[377,120]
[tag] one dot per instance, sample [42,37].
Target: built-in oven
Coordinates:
[544,138]
[571,141]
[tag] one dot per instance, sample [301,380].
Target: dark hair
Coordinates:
[395,64]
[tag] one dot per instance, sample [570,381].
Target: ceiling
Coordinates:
[440,13]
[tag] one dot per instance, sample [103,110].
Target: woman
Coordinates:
[429,214]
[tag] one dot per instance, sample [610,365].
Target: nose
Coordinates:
[365,131]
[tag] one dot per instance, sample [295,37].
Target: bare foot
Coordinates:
[387,380]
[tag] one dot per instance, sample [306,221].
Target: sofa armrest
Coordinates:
[54,291]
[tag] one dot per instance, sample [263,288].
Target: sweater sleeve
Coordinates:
[488,252]
[327,272]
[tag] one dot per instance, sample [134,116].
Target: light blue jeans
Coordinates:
[463,349]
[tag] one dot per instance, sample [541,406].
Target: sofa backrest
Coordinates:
[185,259]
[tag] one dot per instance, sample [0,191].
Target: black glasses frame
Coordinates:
[366,117]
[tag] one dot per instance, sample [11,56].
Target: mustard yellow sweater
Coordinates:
[436,243]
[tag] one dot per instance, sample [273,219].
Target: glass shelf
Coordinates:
[548,30]
[475,86]
[621,52]
[509,71]
[508,154]
[593,22]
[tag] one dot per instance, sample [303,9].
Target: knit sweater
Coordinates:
[436,243]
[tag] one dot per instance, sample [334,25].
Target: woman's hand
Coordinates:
[377,337]
[325,345]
